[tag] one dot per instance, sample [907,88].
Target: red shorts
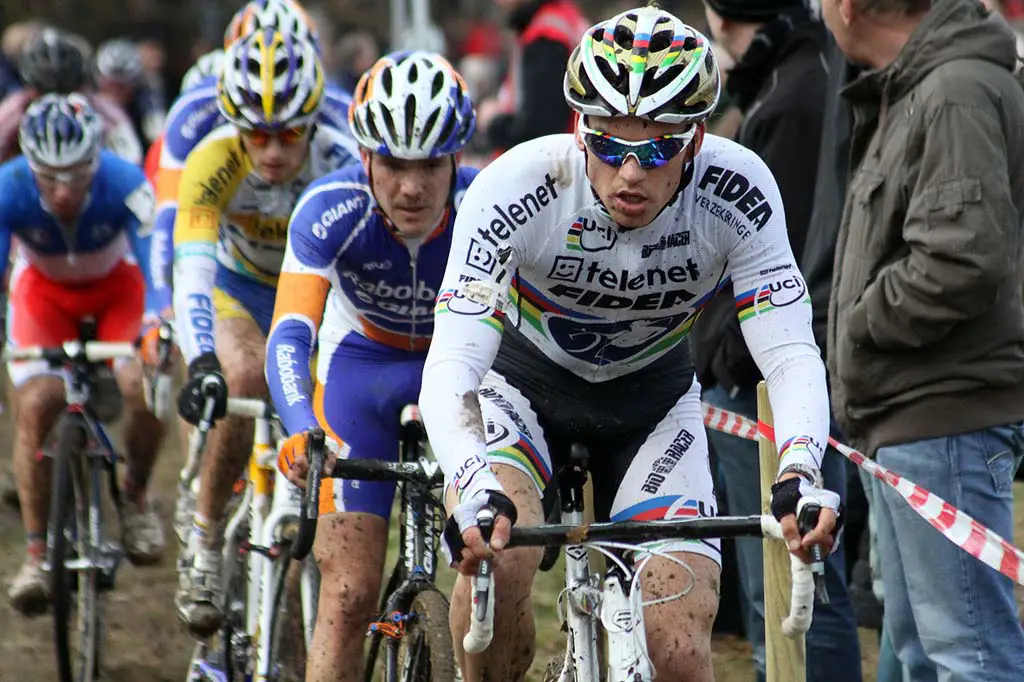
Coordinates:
[42,312]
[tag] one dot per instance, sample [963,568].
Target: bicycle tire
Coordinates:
[70,538]
[425,653]
[287,654]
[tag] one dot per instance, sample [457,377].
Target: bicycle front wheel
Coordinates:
[74,573]
[287,655]
[425,652]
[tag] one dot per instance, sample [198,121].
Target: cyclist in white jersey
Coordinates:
[578,265]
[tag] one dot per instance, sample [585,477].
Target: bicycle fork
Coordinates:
[582,593]
[587,603]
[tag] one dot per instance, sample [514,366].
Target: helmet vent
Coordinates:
[386,81]
[414,73]
[371,125]
[691,44]
[410,118]
[428,127]
[437,84]
[651,85]
[389,123]
[615,78]
[661,40]
[623,37]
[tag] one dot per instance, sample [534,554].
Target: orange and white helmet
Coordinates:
[283,16]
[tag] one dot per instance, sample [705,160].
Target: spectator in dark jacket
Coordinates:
[926,321]
[530,103]
[816,264]
[778,83]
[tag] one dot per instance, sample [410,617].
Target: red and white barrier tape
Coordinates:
[957,527]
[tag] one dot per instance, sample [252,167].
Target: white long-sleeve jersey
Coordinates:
[532,247]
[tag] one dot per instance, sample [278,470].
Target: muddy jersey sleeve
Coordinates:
[488,246]
[774,310]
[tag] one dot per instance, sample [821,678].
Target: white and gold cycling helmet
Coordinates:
[283,16]
[270,81]
[643,62]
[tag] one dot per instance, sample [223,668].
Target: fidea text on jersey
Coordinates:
[509,219]
[737,190]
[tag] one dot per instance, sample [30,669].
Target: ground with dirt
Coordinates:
[145,641]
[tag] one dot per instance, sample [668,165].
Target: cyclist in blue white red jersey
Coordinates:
[82,218]
[367,248]
[579,263]
[194,114]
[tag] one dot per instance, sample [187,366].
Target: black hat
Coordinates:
[753,11]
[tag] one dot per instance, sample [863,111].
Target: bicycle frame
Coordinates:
[98,446]
[80,478]
[415,568]
[583,591]
[255,538]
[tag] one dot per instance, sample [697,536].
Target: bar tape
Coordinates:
[957,527]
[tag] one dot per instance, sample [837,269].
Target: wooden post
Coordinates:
[785,660]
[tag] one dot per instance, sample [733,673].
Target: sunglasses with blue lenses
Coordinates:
[652,153]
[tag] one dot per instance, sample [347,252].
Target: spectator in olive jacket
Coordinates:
[926,322]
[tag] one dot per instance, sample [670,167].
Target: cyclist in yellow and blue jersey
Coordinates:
[195,113]
[238,189]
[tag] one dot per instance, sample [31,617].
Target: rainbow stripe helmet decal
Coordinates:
[644,62]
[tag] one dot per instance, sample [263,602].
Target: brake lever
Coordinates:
[807,520]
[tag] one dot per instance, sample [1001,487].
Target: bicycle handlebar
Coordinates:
[71,351]
[310,509]
[424,473]
[802,595]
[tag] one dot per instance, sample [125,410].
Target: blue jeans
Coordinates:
[950,617]
[833,650]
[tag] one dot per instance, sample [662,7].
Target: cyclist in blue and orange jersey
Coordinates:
[195,114]
[82,218]
[237,191]
[367,247]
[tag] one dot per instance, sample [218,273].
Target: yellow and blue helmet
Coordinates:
[283,16]
[270,81]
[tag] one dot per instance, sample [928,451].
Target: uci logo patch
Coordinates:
[586,235]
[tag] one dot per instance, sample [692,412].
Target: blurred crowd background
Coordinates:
[173,33]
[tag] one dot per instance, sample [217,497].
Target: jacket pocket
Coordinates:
[948,198]
[858,257]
